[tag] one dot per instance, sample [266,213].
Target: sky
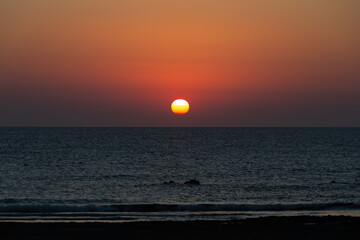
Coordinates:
[258,63]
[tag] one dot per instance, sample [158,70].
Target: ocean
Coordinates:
[138,174]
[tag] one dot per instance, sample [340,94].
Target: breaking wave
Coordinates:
[78,208]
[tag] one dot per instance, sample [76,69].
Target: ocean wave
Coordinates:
[78,208]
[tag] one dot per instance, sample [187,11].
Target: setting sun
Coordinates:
[180,106]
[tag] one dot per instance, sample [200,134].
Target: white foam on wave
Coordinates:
[202,207]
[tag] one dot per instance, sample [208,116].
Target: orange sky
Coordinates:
[122,63]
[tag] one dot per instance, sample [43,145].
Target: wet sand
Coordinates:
[304,227]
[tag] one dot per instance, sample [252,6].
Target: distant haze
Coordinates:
[123,62]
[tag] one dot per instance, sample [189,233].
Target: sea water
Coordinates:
[123,174]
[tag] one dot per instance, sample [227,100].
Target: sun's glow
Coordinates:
[180,106]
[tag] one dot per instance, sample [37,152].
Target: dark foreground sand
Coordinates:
[259,228]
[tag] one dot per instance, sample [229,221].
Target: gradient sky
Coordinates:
[122,62]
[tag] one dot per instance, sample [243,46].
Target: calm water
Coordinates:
[118,173]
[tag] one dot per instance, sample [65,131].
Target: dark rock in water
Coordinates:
[333,181]
[192,182]
[169,182]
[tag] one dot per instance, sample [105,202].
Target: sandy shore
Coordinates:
[259,228]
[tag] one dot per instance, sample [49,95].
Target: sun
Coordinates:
[180,106]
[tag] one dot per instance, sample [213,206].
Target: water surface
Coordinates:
[118,173]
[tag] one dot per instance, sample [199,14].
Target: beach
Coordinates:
[301,227]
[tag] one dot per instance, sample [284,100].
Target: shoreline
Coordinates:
[298,227]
